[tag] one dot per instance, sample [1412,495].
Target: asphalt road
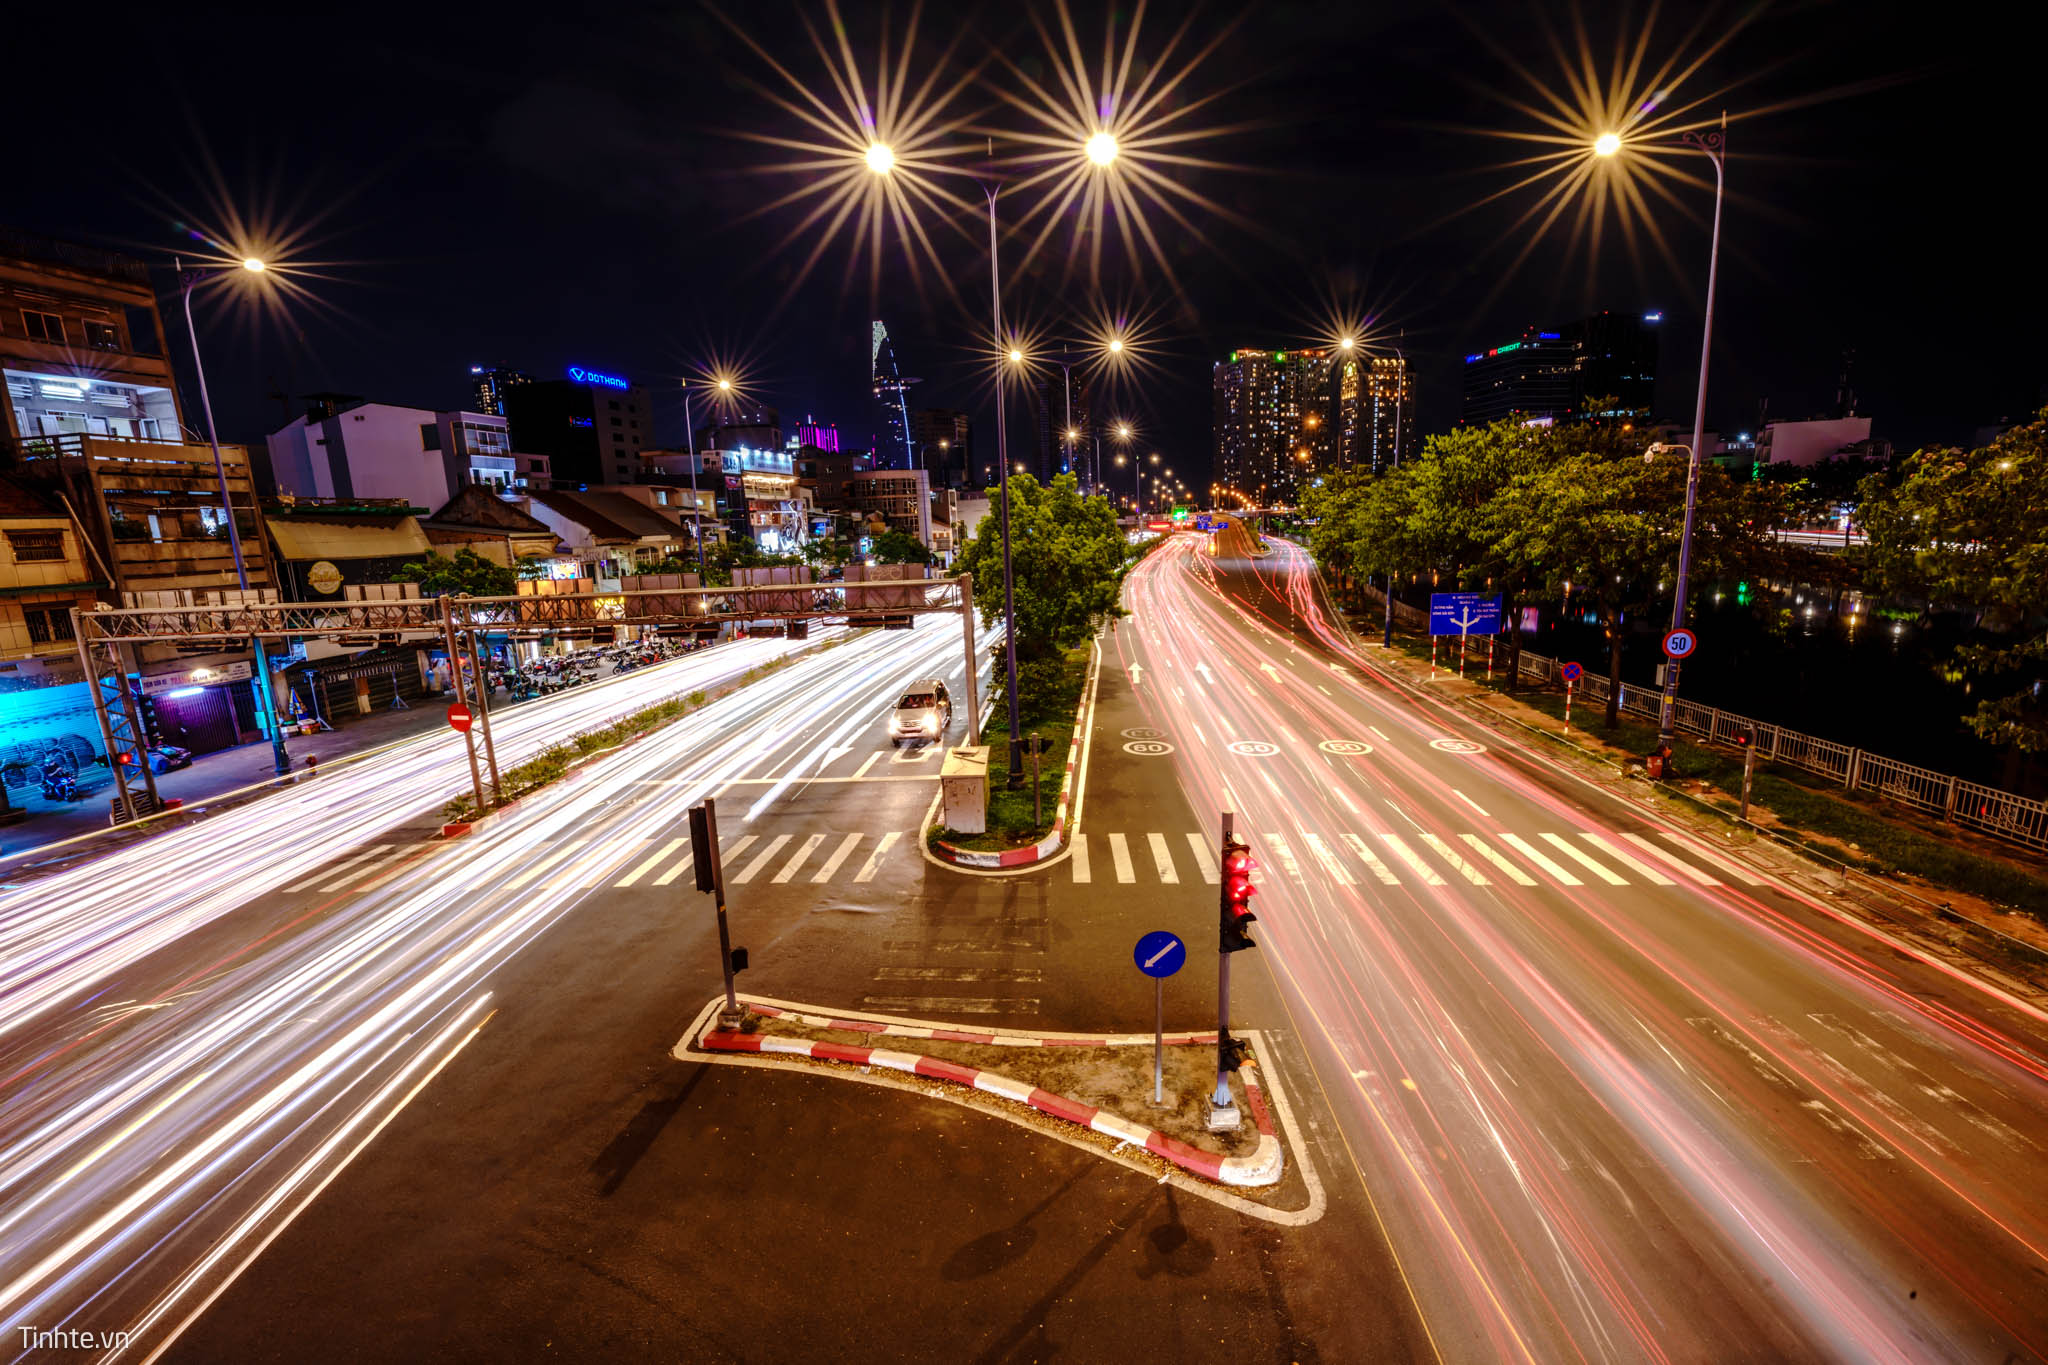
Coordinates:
[197,1032]
[1616,1096]
[1620,1101]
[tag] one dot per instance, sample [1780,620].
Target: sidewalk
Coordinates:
[1903,854]
[215,773]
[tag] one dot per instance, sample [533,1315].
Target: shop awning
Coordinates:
[305,541]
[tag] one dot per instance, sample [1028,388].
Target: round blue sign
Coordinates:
[1680,643]
[1160,953]
[1571,673]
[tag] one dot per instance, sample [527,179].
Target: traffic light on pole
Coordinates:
[1237,897]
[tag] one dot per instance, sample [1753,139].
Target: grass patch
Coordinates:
[1808,808]
[1049,712]
[553,763]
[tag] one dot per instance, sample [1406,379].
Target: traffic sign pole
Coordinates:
[1222,1108]
[476,779]
[1159,955]
[1158,1042]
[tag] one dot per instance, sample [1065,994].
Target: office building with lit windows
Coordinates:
[1275,419]
[592,426]
[1389,413]
[491,384]
[1554,375]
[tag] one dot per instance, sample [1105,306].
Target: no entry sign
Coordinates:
[459,718]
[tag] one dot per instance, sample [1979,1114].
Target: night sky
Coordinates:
[552,186]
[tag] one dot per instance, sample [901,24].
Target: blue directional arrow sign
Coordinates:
[1463,613]
[1160,953]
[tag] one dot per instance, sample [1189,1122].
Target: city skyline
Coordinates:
[395,321]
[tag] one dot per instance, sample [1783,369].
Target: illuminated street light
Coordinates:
[1102,148]
[1116,345]
[1016,356]
[189,279]
[880,159]
[1607,144]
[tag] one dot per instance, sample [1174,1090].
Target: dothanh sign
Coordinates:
[1463,613]
[601,380]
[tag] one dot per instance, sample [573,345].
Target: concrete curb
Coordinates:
[1052,843]
[994,1039]
[1262,1167]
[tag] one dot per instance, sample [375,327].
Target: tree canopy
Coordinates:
[1969,529]
[898,547]
[1067,559]
[468,572]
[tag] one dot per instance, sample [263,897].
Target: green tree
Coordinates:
[1969,529]
[1460,520]
[468,572]
[1067,560]
[898,547]
[1607,520]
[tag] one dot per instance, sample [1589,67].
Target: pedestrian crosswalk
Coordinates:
[781,860]
[1351,858]
[1347,858]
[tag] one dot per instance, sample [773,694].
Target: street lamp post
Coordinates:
[190,279]
[696,506]
[995,296]
[1714,144]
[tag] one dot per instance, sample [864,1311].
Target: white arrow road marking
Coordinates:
[1203,669]
[1137,674]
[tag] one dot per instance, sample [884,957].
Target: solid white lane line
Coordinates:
[534,869]
[1529,851]
[1450,855]
[1572,851]
[839,854]
[1494,856]
[862,771]
[873,865]
[1381,733]
[1328,858]
[1728,866]
[1469,801]
[651,863]
[1079,860]
[1205,858]
[1285,855]
[1162,860]
[326,873]
[1642,868]
[1120,854]
[1408,855]
[789,869]
[1372,860]
[1665,855]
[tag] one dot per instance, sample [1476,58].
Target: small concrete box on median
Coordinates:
[963,789]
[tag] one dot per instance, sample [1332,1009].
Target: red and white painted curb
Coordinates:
[1051,843]
[1262,1167]
[954,1035]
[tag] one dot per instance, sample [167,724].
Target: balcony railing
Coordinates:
[94,448]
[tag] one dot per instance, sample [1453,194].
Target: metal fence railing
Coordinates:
[2000,814]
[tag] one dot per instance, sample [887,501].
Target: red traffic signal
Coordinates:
[1237,897]
[1744,739]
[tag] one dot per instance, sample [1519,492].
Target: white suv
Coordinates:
[924,713]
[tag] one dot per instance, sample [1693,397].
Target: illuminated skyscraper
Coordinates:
[893,450]
[1276,420]
[1390,414]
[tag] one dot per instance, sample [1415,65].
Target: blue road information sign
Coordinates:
[1680,643]
[1571,673]
[1160,953]
[1463,613]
